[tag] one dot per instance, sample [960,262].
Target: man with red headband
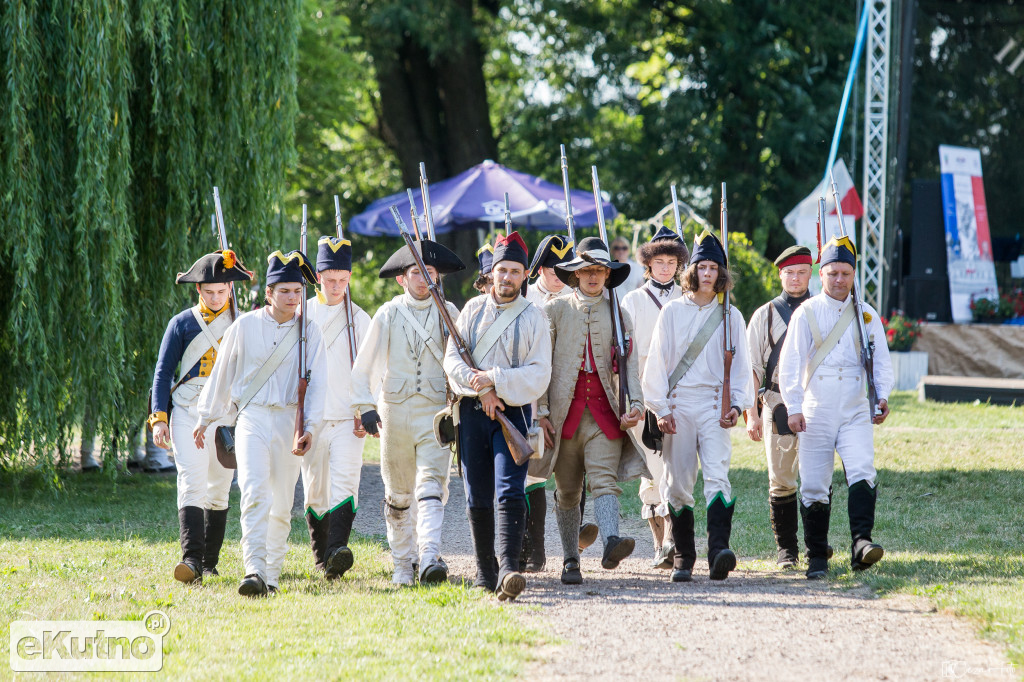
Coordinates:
[768,420]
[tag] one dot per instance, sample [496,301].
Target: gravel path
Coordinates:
[763,625]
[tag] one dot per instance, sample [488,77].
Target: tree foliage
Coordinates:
[117,119]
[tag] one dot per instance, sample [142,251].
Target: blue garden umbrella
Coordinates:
[475,198]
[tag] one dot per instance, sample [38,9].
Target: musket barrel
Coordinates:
[570,223]
[412,211]
[508,217]
[675,211]
[428,212]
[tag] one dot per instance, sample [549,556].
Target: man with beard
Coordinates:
[508,336]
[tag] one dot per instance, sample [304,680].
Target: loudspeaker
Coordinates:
[927,231]
[927,298]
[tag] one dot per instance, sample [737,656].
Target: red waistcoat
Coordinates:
[589,394]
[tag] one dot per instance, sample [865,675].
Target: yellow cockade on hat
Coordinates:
[334,243]
[703,235]
[561,252]
[485,248]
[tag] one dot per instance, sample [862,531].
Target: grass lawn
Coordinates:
[949,516]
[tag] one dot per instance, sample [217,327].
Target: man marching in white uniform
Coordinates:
[823,379]
[404,349]
[257,379]
[682,387]
[330,473]
[191,341]
[663,259]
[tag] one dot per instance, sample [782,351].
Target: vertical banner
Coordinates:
[972,273]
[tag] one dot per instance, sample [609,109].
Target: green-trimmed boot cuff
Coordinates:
[720,497]
[673,512]
[350,501]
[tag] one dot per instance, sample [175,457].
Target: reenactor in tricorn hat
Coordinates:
[403,353]
[188,351]
[822,378]
[256,383]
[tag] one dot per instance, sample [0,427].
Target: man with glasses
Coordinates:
[620,252]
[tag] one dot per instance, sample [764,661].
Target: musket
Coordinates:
[570,224]
[222,237]
[618,326]
[300,412]
[728,348]
[867,344]
[428,214]
[508,217]
[350,317]
[518,445]
[412,211]
[675,212]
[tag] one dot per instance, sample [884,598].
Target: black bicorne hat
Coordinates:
[706,246]
[219,267]
[441,258]
[485,255]
[593,251]
[333,254]
[289,267]
[554,249]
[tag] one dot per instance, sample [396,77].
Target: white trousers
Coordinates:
[267,473]
[650,488]
[836,412]
[698,440]
[202,481]
[330,473]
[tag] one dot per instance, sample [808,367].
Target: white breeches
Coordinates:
[836,412]
[202,481]
[267,473]
[412,464]
[330,473]
[699,441]
[650,488]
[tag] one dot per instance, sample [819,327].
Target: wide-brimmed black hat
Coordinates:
[439,257]
[554,249]
[593,251]
[289,267]
[485,256]
[665,242]
[839,250]
[706,246]
[333,254]
[219,267]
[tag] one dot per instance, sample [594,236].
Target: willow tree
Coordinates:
[116,119]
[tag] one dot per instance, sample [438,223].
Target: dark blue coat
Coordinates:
[179,334]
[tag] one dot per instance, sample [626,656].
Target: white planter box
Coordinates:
[908,367]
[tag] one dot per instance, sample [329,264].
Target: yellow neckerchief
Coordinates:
[206,363]
[210,315]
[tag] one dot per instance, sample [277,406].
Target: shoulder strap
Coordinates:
[428,340]
[333,329]
[504,321]
[653,297]
[696,346]
[204,341]
[783,309]
[270,366]
[785,314]
[823,348]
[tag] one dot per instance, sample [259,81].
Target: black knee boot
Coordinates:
[784,514]
[861,506]
[216,522]
[533,557]
[192,531]
[339,556]
[720,558]
[318,529]
[511,527]
[481,528]
[686,549]
[816,518]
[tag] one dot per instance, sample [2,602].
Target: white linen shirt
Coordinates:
[519,385]
[245,348]
[338,400]
[678,324]
[645,314]
[798,349]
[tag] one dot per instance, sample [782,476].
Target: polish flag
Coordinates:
[802,221]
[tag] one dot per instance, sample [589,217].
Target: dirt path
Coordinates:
[634,623]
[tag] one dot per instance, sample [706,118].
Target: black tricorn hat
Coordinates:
[593,251]
[292,267]
[441,258]
[219,267]
[554,249]
[333,254]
